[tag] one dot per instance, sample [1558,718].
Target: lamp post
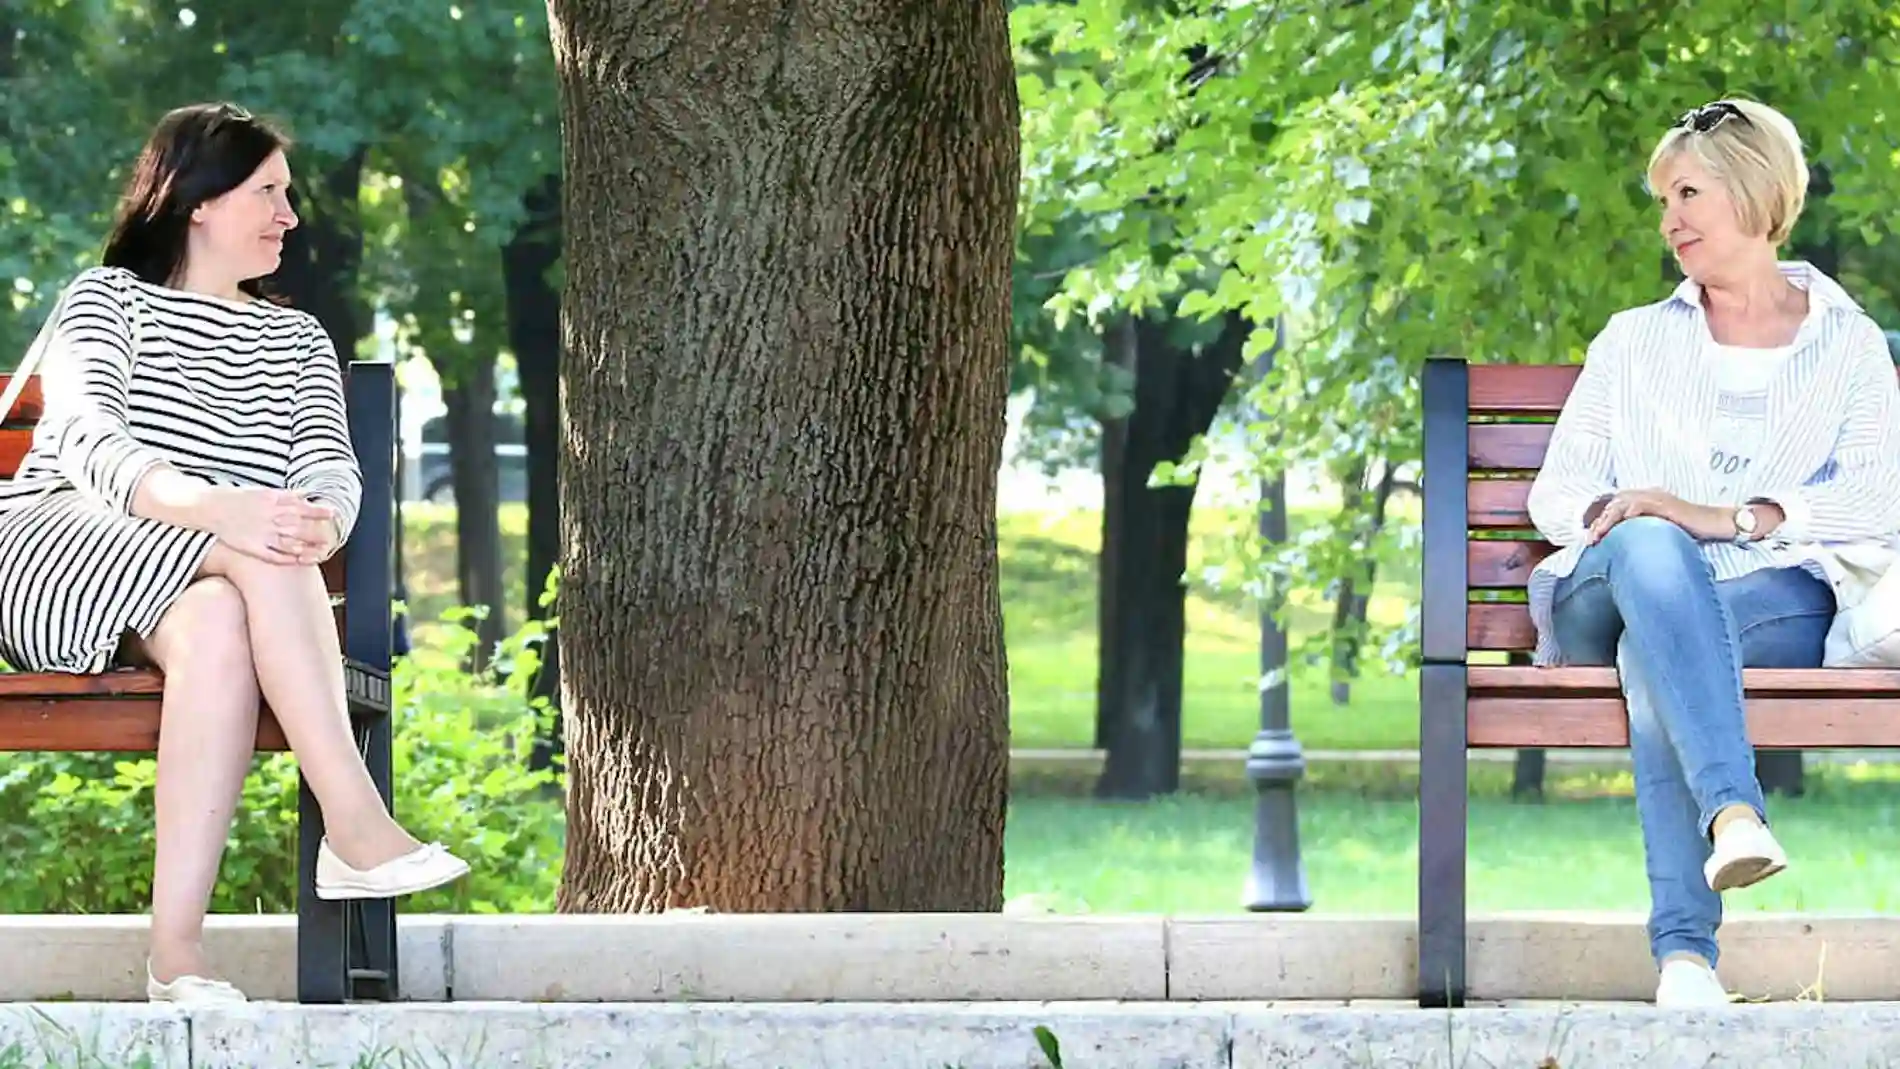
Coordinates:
[1276,881]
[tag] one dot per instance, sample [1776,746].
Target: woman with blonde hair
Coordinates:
[1713,440]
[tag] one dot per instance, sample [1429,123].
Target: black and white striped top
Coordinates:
[1647,400]
[239,394]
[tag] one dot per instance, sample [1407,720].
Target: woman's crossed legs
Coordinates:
[245,629]
[1644,599]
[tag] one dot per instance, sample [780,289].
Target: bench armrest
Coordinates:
[369,556]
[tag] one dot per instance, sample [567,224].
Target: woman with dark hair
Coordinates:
[190,472]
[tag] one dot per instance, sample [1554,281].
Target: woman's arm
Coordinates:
[323,465]
[1577,477]
[87,381]
[1858,496]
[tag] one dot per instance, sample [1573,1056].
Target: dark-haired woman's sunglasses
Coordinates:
[1709,116]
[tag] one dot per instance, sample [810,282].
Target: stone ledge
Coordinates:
[977,957]
[808,957]
[1166,1035]
[94,958]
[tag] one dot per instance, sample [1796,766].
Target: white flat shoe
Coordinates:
[1688,985]
[420,869]
[1745,853]
[191,990]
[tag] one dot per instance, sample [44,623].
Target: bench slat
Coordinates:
[1499,625]
[1507,446]
[1520,389]
[1498,505]
[107,723]
[14,444]
[1837,723]
[1500,564]
[1497,680]
[129,682]
[31,404]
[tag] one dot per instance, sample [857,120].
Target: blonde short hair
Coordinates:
[1758,160]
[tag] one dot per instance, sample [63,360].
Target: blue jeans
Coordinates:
[1644,599]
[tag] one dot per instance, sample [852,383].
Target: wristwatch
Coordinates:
[1745,524]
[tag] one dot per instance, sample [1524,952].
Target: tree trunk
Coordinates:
[470,401]
[788,243]
[534,333]
[323,255]
[1145,539]
[1355,594]
[466,370]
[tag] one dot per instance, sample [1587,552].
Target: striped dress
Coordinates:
[138,375]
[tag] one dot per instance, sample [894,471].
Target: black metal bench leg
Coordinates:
[375,927]
[368,583]
[323,966]
[1442,813]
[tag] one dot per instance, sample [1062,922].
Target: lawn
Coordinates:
[1189,853]
[1049,605]
[1582,850]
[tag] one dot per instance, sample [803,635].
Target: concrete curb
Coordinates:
[989,1036]
[969,957]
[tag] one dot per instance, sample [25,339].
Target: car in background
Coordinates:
[426,475]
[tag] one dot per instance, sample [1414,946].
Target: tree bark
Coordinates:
[788,238]
[1143,602]
[534,333]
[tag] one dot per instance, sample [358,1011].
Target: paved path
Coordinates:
[1104,1035]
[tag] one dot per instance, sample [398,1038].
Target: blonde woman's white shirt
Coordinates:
[1660,405]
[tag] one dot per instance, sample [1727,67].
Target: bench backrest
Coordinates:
[1509,414]
[1487,427]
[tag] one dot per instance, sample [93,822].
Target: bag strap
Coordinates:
[43,341]
[28,363]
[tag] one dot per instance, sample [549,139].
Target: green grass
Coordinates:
[1581,850]
[1048,585]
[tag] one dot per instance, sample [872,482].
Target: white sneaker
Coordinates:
[1745,853]
[191,990]
[1687,985]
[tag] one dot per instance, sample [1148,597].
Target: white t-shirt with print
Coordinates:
[1741,412]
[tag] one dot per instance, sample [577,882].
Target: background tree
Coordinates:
[1423,180]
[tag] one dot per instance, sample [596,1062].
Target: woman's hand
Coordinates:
[1704,523]
[275,526]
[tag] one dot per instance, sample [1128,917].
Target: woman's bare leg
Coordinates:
[299,667]
[207,727]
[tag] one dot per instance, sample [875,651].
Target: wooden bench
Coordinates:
[345,950]
[1486,429]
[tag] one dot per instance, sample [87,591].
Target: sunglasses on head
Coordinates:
[1709,116]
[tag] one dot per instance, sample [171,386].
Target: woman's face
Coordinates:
[243,230]
[1699,220]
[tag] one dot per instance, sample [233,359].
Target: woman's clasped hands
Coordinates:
[275,526]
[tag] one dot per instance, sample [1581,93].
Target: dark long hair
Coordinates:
[195,154]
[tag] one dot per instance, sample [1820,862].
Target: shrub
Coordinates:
[76,829]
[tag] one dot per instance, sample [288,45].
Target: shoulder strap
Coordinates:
[33,354]
[41,341]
